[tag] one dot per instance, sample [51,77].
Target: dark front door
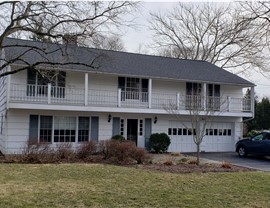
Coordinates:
[132,130]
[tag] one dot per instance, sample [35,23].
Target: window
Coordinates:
[184,131]
[174,131]
[37,83]
[179,131]
[259,137]
[64,129]
[169,131]
[213,99]
[133,88]
[193,95]
[122,127]
[83,131]
[45,129]
[141,127]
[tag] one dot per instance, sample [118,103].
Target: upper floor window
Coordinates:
[37,83]
[133,88]
[193,88]
[213,97]
[193,95]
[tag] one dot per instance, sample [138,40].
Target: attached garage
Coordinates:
[218,138]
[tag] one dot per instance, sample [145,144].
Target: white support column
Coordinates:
[204,96]
[86,89]
[150,93]
[228,103]
[178,100]
[119,98]
[252,99]
[49,92]
[8,89]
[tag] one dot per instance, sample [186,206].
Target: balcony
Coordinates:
[70,96]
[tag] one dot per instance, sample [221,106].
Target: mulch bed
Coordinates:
[160,166]
[192,168]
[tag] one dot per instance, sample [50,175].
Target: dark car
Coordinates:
[257,145]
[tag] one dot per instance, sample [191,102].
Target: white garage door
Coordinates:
[218,138]
[181,138]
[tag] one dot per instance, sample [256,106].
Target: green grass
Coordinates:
[91,185]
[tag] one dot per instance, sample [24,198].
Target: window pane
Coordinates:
[45,130]
[64,129]
[83,132]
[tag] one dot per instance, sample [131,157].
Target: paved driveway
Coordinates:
[259,163]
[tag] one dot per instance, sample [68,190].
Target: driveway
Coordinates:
[258,163]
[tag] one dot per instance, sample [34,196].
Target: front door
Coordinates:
[132,130]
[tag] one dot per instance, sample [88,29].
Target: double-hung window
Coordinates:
[64,129]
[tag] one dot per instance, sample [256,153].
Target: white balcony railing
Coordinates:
[47,94]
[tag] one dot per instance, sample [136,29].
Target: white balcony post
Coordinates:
[228,103]
[86,89]
[49,92]
[178,100]
[252,100]
[204,96]
[119,97]
[150,93]
[8,90]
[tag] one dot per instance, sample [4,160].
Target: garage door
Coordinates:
[218,138]
[181,137]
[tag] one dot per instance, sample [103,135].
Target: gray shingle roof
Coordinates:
[121,63]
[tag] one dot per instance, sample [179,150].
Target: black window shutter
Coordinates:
[33,129]
[94,128]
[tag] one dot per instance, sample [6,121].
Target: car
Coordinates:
[256,145]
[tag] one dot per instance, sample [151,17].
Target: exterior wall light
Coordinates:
[109,118]
[155,120]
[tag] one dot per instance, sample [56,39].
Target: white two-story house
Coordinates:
[122,93]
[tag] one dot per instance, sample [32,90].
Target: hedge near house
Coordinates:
[159,142]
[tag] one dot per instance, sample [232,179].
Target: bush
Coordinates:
[86,149]
[119,138]
[159,142]
[122,152]
[139,155]
[64,152]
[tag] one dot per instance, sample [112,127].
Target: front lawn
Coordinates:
[97,185]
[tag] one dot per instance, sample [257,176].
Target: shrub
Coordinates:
[64,152]
[107,148]
[160,142]
[86,149]
[119,138]
[122,152]
[139,155]
[168,162]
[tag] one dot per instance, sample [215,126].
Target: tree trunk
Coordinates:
[198,154]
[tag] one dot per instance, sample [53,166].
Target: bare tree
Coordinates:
[211,32]
[109,43]
[52,21]
[201,113]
